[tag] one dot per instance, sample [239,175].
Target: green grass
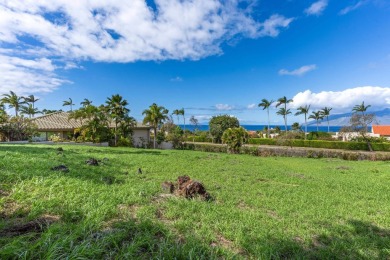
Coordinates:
[262,207]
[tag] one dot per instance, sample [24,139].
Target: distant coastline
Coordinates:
[310,128]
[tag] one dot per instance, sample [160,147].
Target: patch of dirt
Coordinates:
[61,168]
[242,205]
[298,175]
[223,242]
[3,193]
[262,180]
[18,228]
[11,209]
[168,186]
[343,168]
[92,162]
[273,214]
[162,197]
[129,209]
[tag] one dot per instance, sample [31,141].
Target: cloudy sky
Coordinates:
[207,56]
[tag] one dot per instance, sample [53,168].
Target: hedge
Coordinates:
[199,139]
[266,151]
[321,144]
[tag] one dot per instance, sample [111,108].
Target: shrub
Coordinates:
[235,138]
[218,125]
[125,142]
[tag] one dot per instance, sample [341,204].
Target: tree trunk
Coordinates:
[369,146]
[268,124]
[154,138]
[305,126]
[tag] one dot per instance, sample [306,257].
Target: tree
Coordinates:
[360,108]
[18,128]
[195,123]
[218,125]
[235,138]
[50,111]
[284,112]
[116,108]
[284,101]
[177,113]
[3,114]
[182,112]
[303,111]
[296,126]
[325,112]
[316,115]
[68,103]
[29,110]
[13,101]
[31,100]
[155,116]
[86,102]
[266,105]
[359,123]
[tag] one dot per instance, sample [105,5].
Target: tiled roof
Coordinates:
[56,121]
[60,121]
[381,129]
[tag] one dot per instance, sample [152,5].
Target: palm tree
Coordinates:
[284,100]
[31,99]
[154,116]
[86,102]
[266,104]
[284,112]
[360,108]
[29,110]
[303,111]
[181,112]
[176,112]
[13,101]
[68,103]
[316,115]
[325,112]
[3,114]
[116,107]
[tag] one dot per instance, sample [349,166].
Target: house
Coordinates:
[59,124]
[381,130]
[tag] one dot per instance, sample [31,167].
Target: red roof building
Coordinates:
[382,130]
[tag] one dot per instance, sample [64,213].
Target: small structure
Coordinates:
[59,124]
[382,131]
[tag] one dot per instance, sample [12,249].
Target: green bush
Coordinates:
[124,142]
[234,138]
[199,139]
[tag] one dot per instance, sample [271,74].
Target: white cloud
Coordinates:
[271,27]
[317,8]
[344,101]
[26,76]
[252,106]
[350,8]
[72,65]
[176,79]
[125,31]
[224,107]
[298,72]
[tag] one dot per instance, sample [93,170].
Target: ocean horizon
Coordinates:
[310,128]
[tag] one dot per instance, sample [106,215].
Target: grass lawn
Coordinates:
[262,207]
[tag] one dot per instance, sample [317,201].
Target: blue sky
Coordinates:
[207,56]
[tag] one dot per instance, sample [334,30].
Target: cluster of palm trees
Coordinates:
[302,110]
[24,105]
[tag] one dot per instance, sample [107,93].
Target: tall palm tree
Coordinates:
[182,112]
[68,103]
[116,107]
[13,101]
[316,115]
[31,99]
[284,112]
[303,110]
[155,116]
[176,112]
[360,108]
[325,112]
[284,100]
[86,102]
[266,105]
[29,110]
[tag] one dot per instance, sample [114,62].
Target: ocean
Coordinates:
[311,128]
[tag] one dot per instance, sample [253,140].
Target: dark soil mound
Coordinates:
[61,168]
[38,225]
[187,188]
[92,161]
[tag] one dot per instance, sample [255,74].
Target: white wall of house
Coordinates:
[141,137]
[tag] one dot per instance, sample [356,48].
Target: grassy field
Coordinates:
[261,208]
